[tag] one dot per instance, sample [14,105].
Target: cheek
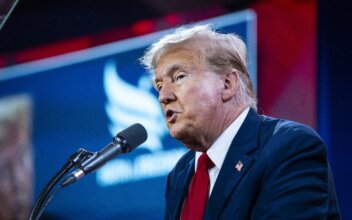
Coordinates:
[203,99]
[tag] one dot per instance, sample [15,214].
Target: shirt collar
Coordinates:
[218,150]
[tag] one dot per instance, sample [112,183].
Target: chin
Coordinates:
[185,136]
[178,132]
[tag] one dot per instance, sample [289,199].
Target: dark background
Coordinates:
[39,29]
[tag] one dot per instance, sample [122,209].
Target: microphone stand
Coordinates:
[74,160]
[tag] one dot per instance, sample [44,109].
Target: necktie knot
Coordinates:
[204,162]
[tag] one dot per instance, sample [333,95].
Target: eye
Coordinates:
[180,75]
[158,86]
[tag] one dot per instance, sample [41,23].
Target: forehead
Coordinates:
[178,58]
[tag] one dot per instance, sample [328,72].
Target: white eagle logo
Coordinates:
[128,104]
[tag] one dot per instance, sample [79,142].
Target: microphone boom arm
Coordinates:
[74,160]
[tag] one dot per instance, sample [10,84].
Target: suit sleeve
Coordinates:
[295,181]
[167,213]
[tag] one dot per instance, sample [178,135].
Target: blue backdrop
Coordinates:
[82,99]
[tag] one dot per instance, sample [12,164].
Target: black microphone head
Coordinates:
[134,135]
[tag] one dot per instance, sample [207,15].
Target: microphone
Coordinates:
[124,142]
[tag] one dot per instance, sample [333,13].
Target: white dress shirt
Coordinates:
[220,147]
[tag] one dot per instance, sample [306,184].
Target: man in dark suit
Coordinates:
[240,165]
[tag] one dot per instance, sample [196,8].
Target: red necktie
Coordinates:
[194,204]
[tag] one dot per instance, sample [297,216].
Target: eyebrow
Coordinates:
[170,70]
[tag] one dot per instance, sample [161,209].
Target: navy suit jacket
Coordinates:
[285,175]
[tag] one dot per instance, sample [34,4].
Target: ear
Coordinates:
[231,81]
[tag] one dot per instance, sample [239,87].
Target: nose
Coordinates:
[166,94]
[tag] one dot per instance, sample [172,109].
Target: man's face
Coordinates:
[190,95]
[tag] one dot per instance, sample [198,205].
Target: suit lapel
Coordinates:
[181,189]
[236,164]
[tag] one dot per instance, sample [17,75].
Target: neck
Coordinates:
[221,123]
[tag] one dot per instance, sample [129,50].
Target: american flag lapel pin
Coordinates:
[239,166]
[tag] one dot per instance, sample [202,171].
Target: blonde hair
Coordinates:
[221,52]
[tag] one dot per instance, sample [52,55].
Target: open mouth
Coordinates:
[170,115]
